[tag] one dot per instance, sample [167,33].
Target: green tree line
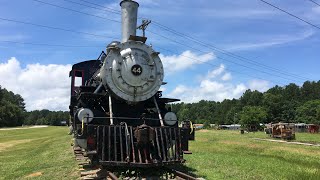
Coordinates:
[290,103]
[46,117]
[13,112]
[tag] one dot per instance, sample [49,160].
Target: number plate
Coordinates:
[136,70]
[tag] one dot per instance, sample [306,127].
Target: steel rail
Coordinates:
[181,174]
[112,176]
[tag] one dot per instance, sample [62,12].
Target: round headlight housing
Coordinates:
[170,118]
[85,115]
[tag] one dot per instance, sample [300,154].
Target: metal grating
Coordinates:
[117,145]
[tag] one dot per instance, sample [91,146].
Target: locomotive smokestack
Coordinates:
[129,13]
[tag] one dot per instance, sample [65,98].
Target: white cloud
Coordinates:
[184,61]
[42,86]
[239,90]
[271,41]
[208,90]
[216,72]
[226,77]
[162,89]
[259,85]
[217,89]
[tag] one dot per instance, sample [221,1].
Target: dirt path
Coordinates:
[29,127]
[287,142]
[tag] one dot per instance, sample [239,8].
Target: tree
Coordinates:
[291,92]
[276,90]
[273,103]
[309,112]
[206,124]
[46,117]
[10,115]
[280,103]
[1,94]
[11,108]
[252,116]
[310,91]
[183,114]
[233,115]
[251,98]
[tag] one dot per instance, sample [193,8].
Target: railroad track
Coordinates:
[95,172]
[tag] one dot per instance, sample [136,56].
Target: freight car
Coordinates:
[119,117]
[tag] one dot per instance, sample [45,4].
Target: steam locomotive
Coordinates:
[118,114]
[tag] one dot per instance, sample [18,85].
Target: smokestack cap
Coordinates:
[129,1]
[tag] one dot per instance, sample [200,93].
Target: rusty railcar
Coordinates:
[284,131]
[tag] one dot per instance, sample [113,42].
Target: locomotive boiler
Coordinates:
[118,114]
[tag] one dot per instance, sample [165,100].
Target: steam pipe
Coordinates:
[129,14]
[110,110]
[159,112]
[98,89]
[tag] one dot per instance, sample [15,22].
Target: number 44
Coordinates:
[136,70]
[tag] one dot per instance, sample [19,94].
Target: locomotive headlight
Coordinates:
[170,118]
[85,115]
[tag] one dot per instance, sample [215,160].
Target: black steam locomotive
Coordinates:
[118,115]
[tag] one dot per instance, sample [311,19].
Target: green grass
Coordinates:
[216,155]
[43,150]
[221,154]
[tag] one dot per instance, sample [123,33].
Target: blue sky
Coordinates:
[246,28]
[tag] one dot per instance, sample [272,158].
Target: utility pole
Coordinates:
[144,26]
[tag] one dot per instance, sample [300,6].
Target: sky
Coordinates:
[211,50]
